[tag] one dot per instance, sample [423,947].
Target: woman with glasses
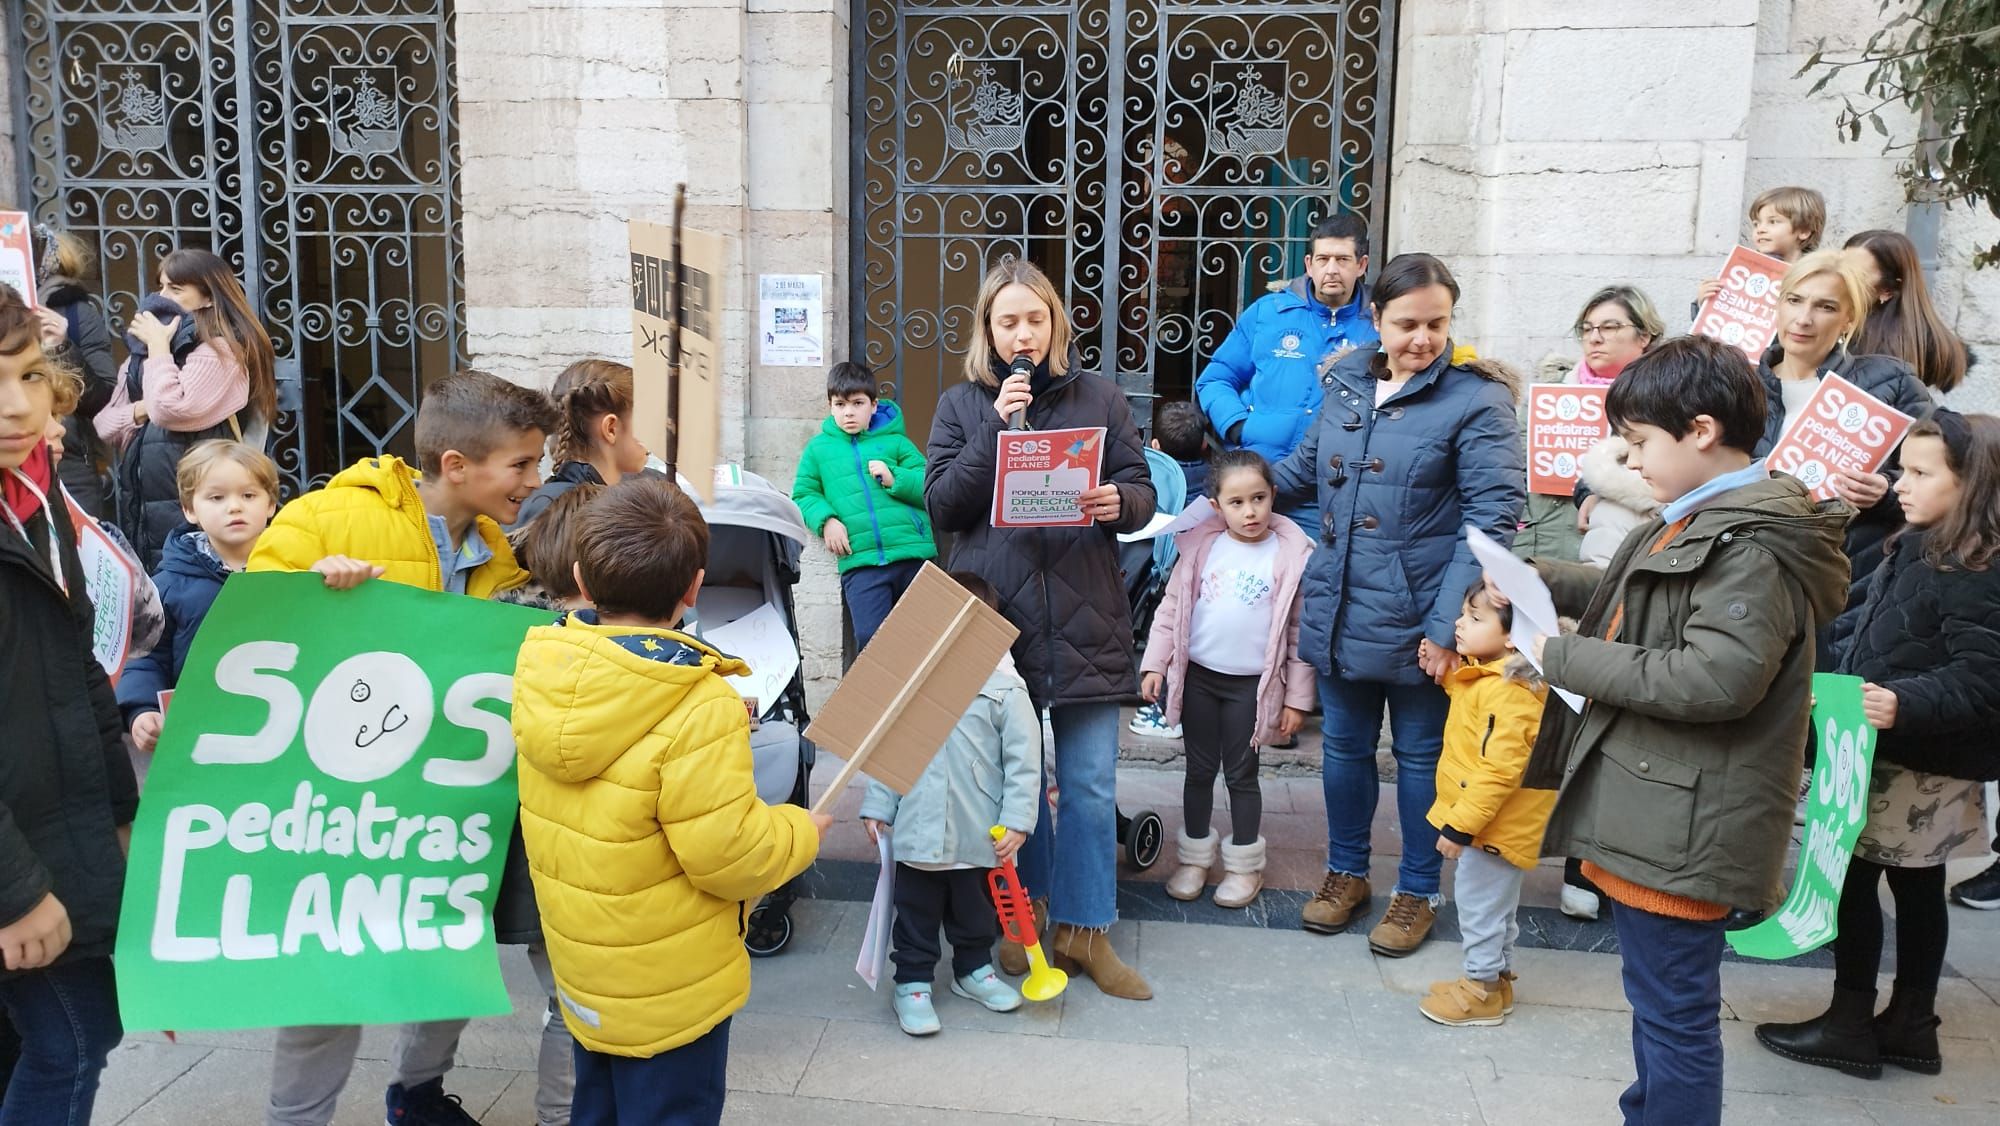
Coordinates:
[1615,327]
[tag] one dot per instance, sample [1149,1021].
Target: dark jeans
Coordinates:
[871,592]
[67,1019]
[1352,727]
[1923,924]
[1219,720]
[682,1087]
[1673,977]
[957,900]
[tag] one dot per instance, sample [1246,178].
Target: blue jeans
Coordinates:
[681,1087]
[1352,726]
[871,592]
[1077,867]
[1673,977]
[67,1018]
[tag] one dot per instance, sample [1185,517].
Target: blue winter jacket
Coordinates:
[1397,484]
[189,577]
[1266,375]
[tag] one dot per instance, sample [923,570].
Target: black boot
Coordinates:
[1843,1037]
[1906,1032]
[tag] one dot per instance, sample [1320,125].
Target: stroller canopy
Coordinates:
[755,503]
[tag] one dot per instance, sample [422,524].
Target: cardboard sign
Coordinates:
[1744,312]
[1040,475]
[1836,809]
[1842,428]
[109,579]
[326,822]
[1564,421]
[703,259]
[908,688]
[17,254]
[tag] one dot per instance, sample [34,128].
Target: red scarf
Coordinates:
[21,500]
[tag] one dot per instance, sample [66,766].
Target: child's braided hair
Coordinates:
[586,391]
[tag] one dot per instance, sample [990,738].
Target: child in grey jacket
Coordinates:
[988,773]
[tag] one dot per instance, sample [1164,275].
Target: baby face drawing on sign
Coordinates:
[369,716]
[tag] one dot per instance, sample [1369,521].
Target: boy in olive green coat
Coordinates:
[860,485]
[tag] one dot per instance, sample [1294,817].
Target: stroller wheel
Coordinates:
[1144,835]
[769,931]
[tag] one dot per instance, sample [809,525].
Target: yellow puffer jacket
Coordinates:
[644,831]
[371,511]
[1487,739]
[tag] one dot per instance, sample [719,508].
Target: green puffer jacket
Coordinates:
[883,525]
[1682,771]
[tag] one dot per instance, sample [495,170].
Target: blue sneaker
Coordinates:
[914,1011]
[1151,721]
[984,986]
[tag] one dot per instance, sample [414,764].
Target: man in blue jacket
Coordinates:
[1262,388]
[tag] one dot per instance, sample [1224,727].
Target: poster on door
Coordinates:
[1041,475]
[791,320]
[1841,429]
[1744,312]
[1564,421]
[17,254]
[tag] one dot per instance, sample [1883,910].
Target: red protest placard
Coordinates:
[1841,428]
[1744,312]
[1564,421]
[1041,473]
[17,254]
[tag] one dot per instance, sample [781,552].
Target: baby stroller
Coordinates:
[745,608]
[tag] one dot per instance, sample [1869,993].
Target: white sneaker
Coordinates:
[1579,903]
[1152,723]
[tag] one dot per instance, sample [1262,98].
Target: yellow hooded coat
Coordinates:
[1487,739]
[645,834]
[371,511]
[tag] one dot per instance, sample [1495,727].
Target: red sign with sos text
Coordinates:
[1744,312]
[1564,421]
[1841,428]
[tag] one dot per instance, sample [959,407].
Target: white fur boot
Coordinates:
[1197,856]
[1243,874]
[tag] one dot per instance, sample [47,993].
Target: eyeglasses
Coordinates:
[1607,328]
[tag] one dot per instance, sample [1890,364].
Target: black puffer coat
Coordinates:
[87,347]
[144,477]
[1059,585]
[65,781]
[1933,638]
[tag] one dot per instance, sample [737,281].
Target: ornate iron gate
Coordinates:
[313,143]
[1163,160]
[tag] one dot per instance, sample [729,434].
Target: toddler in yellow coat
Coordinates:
[645,835]
[1486,820]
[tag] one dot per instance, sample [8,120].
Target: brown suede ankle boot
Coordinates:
[1082,950]
[1012,957]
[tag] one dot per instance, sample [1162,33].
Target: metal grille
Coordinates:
[313,143]
[1162,160]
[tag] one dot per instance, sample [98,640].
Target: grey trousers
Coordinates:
[1488,892]
[312,1063]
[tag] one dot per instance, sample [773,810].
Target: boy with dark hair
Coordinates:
[1181,432]
[480,440]
[1695,650]
[636,790]
[860,485]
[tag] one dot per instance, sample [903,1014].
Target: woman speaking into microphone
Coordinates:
[1059,585]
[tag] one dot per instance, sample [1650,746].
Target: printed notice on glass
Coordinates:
[791,320]
[1042,473]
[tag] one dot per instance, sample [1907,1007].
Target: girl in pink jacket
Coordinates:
[1224,649]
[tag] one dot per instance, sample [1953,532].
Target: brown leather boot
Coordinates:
[1082,950]
[1013,958]
[1404,927]
[1330,909]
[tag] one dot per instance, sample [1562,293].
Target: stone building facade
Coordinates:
[1541,147]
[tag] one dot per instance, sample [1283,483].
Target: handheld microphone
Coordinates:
[1022,365]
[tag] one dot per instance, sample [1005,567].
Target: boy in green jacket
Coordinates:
[860,484]
[1695,651]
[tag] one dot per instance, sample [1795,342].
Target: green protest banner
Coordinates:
[326,818]
[1836,809]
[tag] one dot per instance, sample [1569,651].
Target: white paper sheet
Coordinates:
[761,640]
[873,963]
[1534,608]
[1171,523]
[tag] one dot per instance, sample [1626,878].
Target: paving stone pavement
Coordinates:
[1251,1023]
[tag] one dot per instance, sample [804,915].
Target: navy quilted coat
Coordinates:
[1396,485]
[1061,586]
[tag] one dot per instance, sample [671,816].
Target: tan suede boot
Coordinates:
[1013,958]
[1243,874]
[1082,950]
[1197,856]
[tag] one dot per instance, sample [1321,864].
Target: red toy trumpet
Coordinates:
[1017,922]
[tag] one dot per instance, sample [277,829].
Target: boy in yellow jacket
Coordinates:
[1485,819]
[645,834]
[479,441]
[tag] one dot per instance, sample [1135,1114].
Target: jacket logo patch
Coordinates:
[1738,611]
[1288,347]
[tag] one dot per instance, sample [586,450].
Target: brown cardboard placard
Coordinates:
[703,258]
[908,688]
